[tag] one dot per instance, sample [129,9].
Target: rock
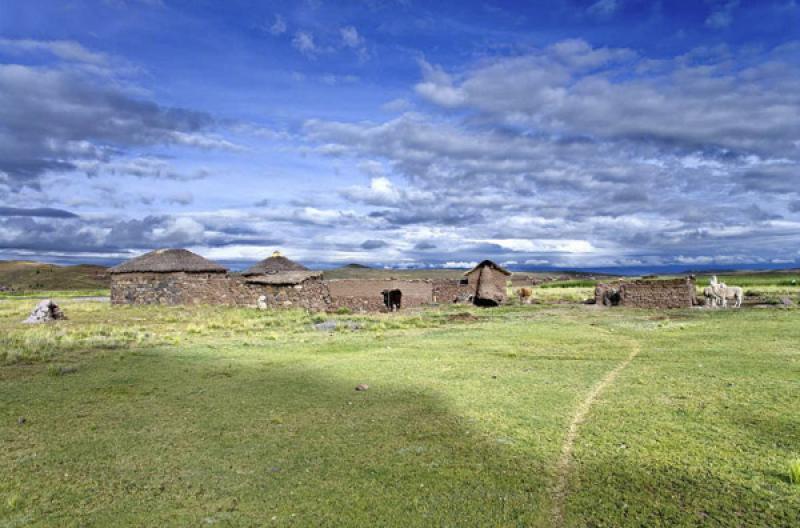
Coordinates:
[67,370]
[331,325]
[21,420]
[361,387]
[45,312]
[326,326]
[786,301]
[262,303]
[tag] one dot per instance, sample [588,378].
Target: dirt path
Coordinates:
[565,460]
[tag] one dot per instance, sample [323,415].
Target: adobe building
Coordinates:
[648,293]
[488,281]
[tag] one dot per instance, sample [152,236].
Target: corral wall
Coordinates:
[447,291]
[235,290]
[366,295]
[677,293]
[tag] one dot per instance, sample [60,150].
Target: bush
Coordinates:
[344,310]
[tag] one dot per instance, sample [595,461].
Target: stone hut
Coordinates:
[286,289]
[169,276]
[487,283]
[647,293]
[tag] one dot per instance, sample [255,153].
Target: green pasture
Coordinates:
[195,416]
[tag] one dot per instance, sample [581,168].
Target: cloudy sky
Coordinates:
[610,133]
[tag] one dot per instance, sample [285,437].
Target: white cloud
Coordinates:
[350,37]
[279,26]
[303,41]
[67,50]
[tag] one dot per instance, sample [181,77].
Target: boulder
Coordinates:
[262,303]
[45,312]
[361,387]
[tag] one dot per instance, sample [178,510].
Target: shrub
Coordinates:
[344,310]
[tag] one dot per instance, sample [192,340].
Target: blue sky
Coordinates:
[610,133]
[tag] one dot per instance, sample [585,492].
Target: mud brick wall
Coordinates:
[366,295]
[447,291]
[677,293]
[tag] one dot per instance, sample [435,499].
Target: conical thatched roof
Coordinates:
[490,264]
[168,260]
[274,264]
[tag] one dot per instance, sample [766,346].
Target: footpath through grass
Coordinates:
[233,417]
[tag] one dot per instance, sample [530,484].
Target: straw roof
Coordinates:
[274,264]
[488,263]
[168,260]
[285,278]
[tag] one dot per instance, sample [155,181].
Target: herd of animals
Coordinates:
[718,294]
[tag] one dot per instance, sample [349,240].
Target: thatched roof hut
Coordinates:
[284,278]
[488,264]
[489,281]
[275,264]
[168,261]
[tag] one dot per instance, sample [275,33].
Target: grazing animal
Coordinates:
[734,293]
[525,295]
[710,296]
[722,293]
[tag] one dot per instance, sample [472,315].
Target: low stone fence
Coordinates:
[672,293]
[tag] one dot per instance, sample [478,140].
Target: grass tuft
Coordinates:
[794,472]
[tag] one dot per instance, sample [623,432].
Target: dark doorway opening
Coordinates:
[392,299]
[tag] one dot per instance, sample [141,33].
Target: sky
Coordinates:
[553,134]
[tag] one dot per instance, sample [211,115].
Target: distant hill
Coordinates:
[18,275]
[355,265]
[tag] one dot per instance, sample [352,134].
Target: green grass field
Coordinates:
[234,417]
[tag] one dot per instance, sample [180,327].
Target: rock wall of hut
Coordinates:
[360,295]
[213,288]
[676,293]
[171,288]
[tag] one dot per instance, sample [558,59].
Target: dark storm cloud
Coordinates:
[374,244]
[60,119]
[42,212]
[422,246]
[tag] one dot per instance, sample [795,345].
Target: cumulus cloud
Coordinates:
[574,153]
[303,41]
[722,15]
[84,123]
[278,27]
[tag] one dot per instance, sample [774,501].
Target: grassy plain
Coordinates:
[155,416]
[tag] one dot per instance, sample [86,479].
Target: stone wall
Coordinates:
[213,288]
[171,288]
[675,293]
[366,295]
[447,291]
